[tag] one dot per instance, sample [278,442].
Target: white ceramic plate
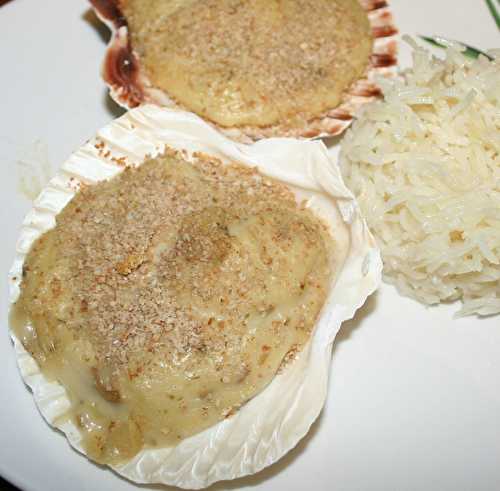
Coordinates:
[414,401]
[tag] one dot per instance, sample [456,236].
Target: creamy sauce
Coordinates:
[167,297]
[257,62]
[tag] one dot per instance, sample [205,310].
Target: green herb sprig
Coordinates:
[442,42]
[494,11]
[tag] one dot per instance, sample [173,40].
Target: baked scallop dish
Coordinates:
[165,298]
[175,296]
[253,69]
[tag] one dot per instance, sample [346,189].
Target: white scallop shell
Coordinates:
[273,422]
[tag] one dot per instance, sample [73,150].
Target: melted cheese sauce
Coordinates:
[257,62]
[167,297]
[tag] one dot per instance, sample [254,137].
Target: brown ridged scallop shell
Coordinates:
[129,85]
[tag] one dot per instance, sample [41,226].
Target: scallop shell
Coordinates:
[129,85]
[268,426]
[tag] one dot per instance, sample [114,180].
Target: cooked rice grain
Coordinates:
[424,164]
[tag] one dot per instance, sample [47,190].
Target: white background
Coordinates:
[414,399]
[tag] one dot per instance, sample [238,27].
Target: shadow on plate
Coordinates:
[112,107]
[101,29]
[361,316]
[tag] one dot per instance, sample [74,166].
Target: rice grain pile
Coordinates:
[424,164]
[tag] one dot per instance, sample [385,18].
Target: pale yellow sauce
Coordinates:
[254,62]
[167,297]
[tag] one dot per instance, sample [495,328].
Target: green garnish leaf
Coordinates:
[442,42]
[494,11]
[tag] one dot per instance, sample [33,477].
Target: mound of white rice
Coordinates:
[424,164]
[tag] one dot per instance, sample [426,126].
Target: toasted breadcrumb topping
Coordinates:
[168,296]
[252,62]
